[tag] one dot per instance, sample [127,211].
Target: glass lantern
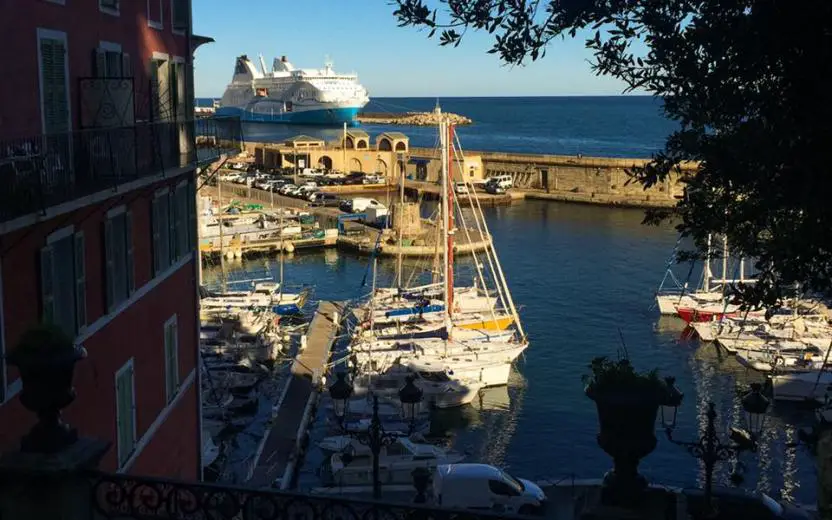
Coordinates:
[340,392]
[755,405]
[411,396]
[672,401]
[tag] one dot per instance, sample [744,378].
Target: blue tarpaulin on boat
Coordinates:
[414,310]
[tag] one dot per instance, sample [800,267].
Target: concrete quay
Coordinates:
[286,442]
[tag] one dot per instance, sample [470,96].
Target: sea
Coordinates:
[606,126]
[584,278]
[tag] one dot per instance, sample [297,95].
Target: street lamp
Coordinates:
[375,437]
[710,449]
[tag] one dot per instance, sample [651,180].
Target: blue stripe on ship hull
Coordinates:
[333,116]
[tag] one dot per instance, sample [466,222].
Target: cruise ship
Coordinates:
[285,94]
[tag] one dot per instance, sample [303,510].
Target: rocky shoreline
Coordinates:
[412,118]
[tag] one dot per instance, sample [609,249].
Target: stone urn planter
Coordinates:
[46,358]
[627,403]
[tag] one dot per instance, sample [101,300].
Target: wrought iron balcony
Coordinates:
[125,496]
[218,136]
[42,171]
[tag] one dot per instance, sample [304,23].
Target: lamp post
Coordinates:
[709,448]
[375,437]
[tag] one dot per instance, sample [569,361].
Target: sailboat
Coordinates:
[470,331]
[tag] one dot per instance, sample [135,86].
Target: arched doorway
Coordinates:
[355,165]
[350,143]
[385,145]
[381,167]
[401,147]
[362,144]
[325,162]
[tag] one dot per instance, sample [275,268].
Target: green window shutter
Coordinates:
[54,86]
[80,282]
[109,262]
[192,221]
[126,65]
[172,222]
[130,267]
[99,62]
[174,333]
[47,285]
[156,225]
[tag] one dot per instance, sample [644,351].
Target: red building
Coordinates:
[97,219]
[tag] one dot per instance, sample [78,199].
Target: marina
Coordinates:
[487,347]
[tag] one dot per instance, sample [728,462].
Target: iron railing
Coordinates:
[218,136]
[39,172]
[126,496]
[42,171]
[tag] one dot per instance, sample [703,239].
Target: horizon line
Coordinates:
[500,96]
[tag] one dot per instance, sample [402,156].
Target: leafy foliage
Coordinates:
[745,80]
[616,376]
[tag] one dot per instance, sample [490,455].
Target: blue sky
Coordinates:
[361,36]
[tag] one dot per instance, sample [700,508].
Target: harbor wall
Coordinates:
[574,178]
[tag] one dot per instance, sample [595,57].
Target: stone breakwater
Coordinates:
[412,118]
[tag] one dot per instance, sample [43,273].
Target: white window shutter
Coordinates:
[47,279]
[99,57]
[80,282]
[192,221]
[126,65]
[128,237]
[156,224]
[109,262]
[172,221]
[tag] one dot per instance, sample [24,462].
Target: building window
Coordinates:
[54,85]
[118,252]
[125,412]
[171,358]
[109,6]
[110,62]
[177,88]
[63,282]
[160,89]
[182,221]
[160,210]
[155,14]
[179,16]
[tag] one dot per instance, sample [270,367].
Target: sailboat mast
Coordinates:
[450,218]
[280,282]
[222,243]
[443,194]
[706,275]
[724,258]
[400,215]
[742,269]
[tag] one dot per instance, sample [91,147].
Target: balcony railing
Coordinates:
[39,172]
[218,136]
[42,171]
[124,496]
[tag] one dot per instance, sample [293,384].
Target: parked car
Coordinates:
[504,181]
[461,188]
[286,188]
[346,205]
[324,199]
[361,204]
[733,504]
[374,179]
[494,188]
[486,488]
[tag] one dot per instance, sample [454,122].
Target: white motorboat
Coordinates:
[440,388]
[802,386]
[396,463]
[339,443]
[787,358]
[210,451]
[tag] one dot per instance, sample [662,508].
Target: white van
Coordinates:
[503,181]
[361,204]
[484,487]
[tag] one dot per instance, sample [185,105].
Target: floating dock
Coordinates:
[286,441]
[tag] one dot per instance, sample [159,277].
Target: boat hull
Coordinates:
[495,324]
[318,116]
[691,315]
[806,386]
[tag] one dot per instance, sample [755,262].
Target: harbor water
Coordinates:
[584,278]
[604,126]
